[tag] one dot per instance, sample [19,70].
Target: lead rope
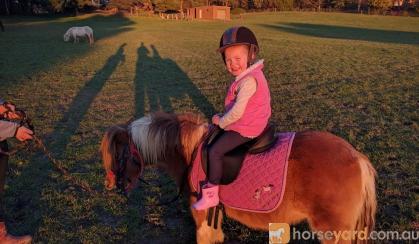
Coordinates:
[60,168]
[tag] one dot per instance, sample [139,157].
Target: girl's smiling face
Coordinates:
[236,59]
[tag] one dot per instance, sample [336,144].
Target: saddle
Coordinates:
[233,160]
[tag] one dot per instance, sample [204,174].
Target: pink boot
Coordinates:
[209,198]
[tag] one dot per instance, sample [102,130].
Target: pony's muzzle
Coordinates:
[109,185]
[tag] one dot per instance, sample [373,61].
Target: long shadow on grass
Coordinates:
[349,33]
[31,47]
[161,81]
[24,197]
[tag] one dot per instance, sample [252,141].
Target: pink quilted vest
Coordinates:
[258,109]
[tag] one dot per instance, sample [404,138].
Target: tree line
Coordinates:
[37,7]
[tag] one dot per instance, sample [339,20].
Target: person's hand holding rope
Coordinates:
[23,133]
[8,112]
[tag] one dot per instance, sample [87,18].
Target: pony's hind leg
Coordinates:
[336,216]
[207,234]
[330,229]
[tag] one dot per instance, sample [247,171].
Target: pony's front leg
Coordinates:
[207,234]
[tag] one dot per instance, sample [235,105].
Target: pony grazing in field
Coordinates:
[79,32]
[328,183]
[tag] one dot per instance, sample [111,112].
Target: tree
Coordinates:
[337,4]
[381,5]
[244,4]
[122,4]
[5,6]
[284,5]
[258,4]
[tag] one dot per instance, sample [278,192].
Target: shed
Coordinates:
[209,12]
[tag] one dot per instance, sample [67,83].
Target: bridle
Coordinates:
[128,152]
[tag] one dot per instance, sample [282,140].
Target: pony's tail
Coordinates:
[366,217]
[108,151]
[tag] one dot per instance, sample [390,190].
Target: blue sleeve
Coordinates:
[2,101]
[7,129]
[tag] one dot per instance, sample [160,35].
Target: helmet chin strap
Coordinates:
[252,55]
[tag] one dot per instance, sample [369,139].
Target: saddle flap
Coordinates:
[265,141]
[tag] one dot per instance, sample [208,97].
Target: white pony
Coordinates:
[79,32]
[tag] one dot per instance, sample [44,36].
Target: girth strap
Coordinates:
[213,214]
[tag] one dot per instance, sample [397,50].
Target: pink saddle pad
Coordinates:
[260,185]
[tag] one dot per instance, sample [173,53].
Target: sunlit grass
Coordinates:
[356,76]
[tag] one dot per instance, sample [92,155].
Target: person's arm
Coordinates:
[2,101]
[246,89]
[7,129]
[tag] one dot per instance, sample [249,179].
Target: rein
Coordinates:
[58,166]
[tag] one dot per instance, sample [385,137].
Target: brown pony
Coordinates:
[329,183]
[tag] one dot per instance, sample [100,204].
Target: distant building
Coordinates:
[209,13]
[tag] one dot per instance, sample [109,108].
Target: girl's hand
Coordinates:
[216,119]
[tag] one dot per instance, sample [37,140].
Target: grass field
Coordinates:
[356,76]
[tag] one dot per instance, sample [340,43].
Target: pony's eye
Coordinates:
[129,180]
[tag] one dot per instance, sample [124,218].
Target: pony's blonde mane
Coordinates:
[163,136]
[193,128]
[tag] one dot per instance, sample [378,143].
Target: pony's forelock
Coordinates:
[108,150]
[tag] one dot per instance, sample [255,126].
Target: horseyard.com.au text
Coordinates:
[281,233]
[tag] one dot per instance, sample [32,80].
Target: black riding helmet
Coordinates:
[239,36]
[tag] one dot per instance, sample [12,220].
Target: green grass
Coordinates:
[354,75]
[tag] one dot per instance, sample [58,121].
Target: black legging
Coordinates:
[3,170]
[227,142]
